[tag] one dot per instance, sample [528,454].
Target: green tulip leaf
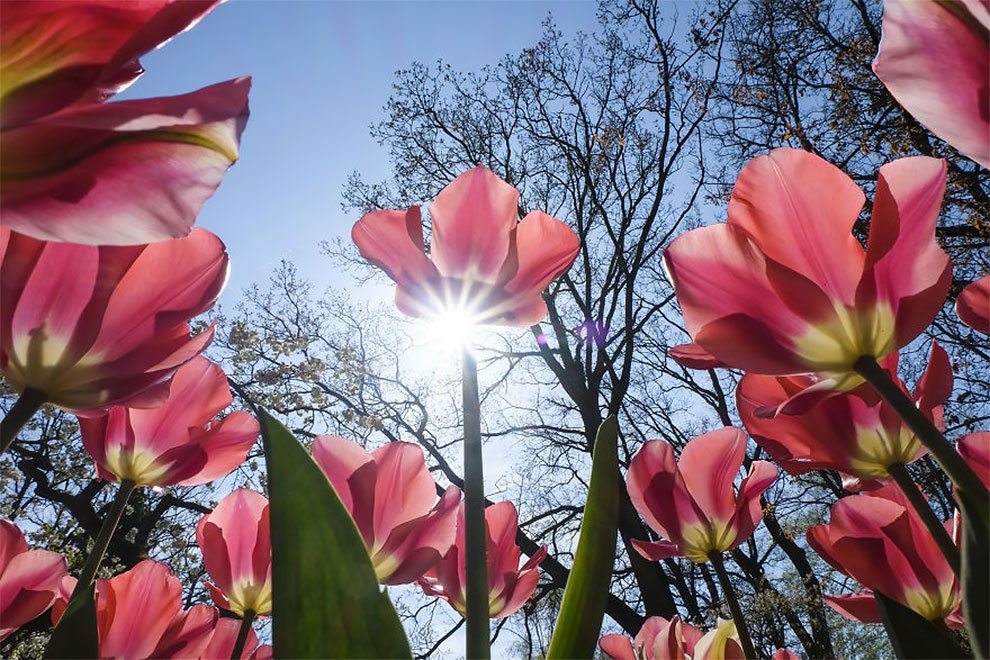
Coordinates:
[326,599]
[76,635]
[579,622]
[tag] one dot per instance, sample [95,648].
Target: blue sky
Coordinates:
[322,73]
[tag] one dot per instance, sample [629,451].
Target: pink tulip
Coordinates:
[844,433]
[934,60]
[81,170]
[660,639]
[785,288]
[139,615]
[393,501]
[785,654]
[236,543]
[29,579]
[509,585]
[973,305]
[136,610]
[179,443]
[975,450]
[485,263]
[92,326]
[877,539]
[692,503]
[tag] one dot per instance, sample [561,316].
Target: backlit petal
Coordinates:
[123,173]
[933,59]
[472,220]
[800,209]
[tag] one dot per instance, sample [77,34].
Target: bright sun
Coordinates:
[444,336]
[452,330]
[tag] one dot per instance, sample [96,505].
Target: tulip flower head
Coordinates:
[139,614]
[179,443]
[81,170]
[784,287]
[29,579]
[692,503]
[509,585]
[92,326]
[858,438]
[973,305]
[235,539]
[934,60]
[660,639]
[878,539]
[393,501]
[484,266]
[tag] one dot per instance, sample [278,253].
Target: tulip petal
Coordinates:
[57,53]
[730,306]
[859,606]
[525,585]
[221,644]
[749,511]
[502,521]
[28,586]
[142,604]
[404,489]
[122,173]
[473,218]
[657,550]
[657,490]
[709,465]
[188,634]
[12,543]
[393,241]
[975,449]
[786,437]
[693,356]
[934,387]
[545,248]
[617,647]
[169,280]
[719,644]
[906,270]
[933,59]
[973,305]
[226,445]
[429,538]
[800,209]
[198,391]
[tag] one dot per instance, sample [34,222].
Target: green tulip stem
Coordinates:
[109,526]
[730,596]
[242,635]
[28,403]
[949,550]
[961,474]
[475,529]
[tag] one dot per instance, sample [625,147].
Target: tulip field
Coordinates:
[666,340]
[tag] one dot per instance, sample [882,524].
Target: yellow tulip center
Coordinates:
[700,540]
[137,465]
[879,449]
[246,595]
[933,606]
[833,346]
